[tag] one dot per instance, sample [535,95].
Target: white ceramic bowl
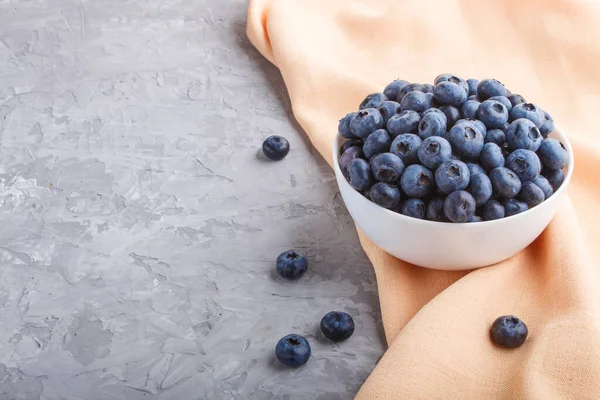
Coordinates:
[450,246]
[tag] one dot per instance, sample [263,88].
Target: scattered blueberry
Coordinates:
[475,169]
[516,99]
[350,154]
[509,331]
[405,122]
[406,146]
[452,175]
[414,208]
[553,154]
[523,134]
[531,194]
[276,147]
[292,350]
[387,167]
[489,88]
[452,114]
[337,326]
[466,140]
[525,163]
[469,109]
[388,109]
[374,100]
[449,93]
[433,151]
[505,182]
[480,188]
[435,210]
[359,174]
[491,156]
[385,195]
[495,136]
[350,143]
[459,206]
[416,101]
[366,122]
[291,265]
[392,90]
[529,111]
[493,210]
[417,181]
[472,83]
[344,126]
[432,124]
[548,125]
[556,177]
[376,143]
[543,184]
[493,114]
[514,207]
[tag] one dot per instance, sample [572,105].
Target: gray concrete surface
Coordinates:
[139,225]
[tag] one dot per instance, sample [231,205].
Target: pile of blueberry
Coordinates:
[457,151]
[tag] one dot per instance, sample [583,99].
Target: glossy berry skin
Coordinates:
[495,136]
[374,100]
[337,326]
[480,188]
[291,265]
[492,210]
[433,151]
[469,109]
[505,182]
[531,194]
[417,181]
[509,331]
[452,114]
[514,207]
[344,126]
[493,114]
[276,147]
[466,140]
[489,88]
[553,154]
[350,143]
[416,101]
[405,122]
[528,111]
[449,93]
[491,156]
[387,167]
[523,134]
[359,174]
[385,195]
[435,210]
[366,122]
[414,208]
[388,109]
[432,124]
[350,154]
[406,146]
[525,163]
[548,125]
[472,83]
[556,177]
[376,143]
[292,350]
[516,99]
[459,206]
[392,90]
[452,175]
[543,184]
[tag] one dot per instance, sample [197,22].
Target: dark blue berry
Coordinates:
[459,206]
[387,167]
[405,122]
[556,177]
[416,101]
[428,88]
[388,109]
[480,188]
[475,218]
[414,208]
[492,210]
[504,100]
[543,184]
[509,331]
[493,114]
[385,195]
[472,83]
[528,111]
[514,207]
[350,143]
[491,156]
[433,151]
[466,139]
[376,143]
[350,154]
[359,174]
[406,146]
[412,87]
[452,115]
[505,182]
[531,194]
[495,136]
[292,350]
[553,154]
[432,124]
[276,147]
[366,122]
[374,100]
[525,163]
[291,265]
[473,122]
[475,169]
[452,79]
[548,125]
[435,210]
[516,99]
[417,181]
[523,134]
[344,126]
[337,326]
[449,93]
[452,175]
[489,88]
[469,109]
[392,90]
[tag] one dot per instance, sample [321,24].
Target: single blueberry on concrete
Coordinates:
[509,331]
[337,326]
[291,265]
[417,181]
[505,182]
[374,100]
[292,350]
[553,154]
[414,208]
[525,163]
[359,174]
[387,167]
[276,147]
[405,122]
[385,195]
[523,134]
[459,206]
[492,210]
[366,122]
[452,175]
[376,143]
[406,146]
[433,151]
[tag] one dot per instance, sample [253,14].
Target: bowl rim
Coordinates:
[556,195]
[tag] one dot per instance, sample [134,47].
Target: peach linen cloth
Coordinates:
[332,53]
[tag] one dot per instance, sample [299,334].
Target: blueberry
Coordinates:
[434,111]
[553,154]
[473,122]
[428,88]
[406,146]
[493,210]
[473,97]
[472,86]
[514,207]
[548,125]
[374,100]
[359,174]
[432,124]
[529,111]
[292,350]
[452,175]
[491,156]
[504,100]
[495,136]
[489,88]
[344,126]
[385,195]
[516,99]
[405,122]
[416,101]
[449,93]
[412,87]
[466,139]
[452,115]
[556,177]
[493,114]
[433,151]
[480,188]
[414,208]
[350,154]
[435,210]
[350,143]
[505,182]
[377,142]
[532,194]
[459,206]
[469,109]
[543,184]
[475,218]
[417,181]
[366,122]
[523,134]
[337,326]
[388,109]
[475,169]
[276,147]
[452,79]
[509,331]
[525,163]
[291,265]
[387,167]
[392,90]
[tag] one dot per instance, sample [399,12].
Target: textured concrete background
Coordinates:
[139,225]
